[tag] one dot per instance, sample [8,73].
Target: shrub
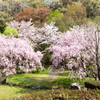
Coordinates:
[8,31]
[65,82]
[57,17]
[92,84]
[97,20]
[76,13]
[62,94]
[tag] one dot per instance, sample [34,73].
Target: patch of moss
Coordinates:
[92,84]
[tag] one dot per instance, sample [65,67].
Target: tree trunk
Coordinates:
[99,73]
[37,70]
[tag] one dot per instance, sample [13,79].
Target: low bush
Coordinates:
[92,84]
[65,82]
[62,94]
[8,31]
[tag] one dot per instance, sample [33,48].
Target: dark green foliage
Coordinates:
[4,17]
[2,26]
[66,2]
[41,47]
[36,3]
[65,82]
[92,84]
[46,54]
[92,7]
[46,58]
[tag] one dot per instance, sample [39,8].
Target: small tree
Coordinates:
[77,13]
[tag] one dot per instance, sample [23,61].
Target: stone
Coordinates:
[5,81]
[15,84]
[75,86]
[40,87]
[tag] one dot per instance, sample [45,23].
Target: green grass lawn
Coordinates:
[7,92]
[43,79]
[36,79]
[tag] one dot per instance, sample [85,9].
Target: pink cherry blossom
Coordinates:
[16,53]
[77,49]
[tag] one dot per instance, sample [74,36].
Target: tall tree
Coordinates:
[92,7]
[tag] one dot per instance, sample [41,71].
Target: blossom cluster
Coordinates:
[47,34]
[77,49]
[17,55]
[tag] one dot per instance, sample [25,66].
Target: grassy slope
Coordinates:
[42,78]
[7,92]
[36,79]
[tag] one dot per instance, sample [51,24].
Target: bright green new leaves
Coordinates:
[8,31]
[54,15]
[57,17]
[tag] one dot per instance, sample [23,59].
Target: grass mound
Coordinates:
[92,84]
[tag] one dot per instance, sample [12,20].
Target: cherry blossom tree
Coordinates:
[79,49]
[36,36]
[39,38]
[17,55]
